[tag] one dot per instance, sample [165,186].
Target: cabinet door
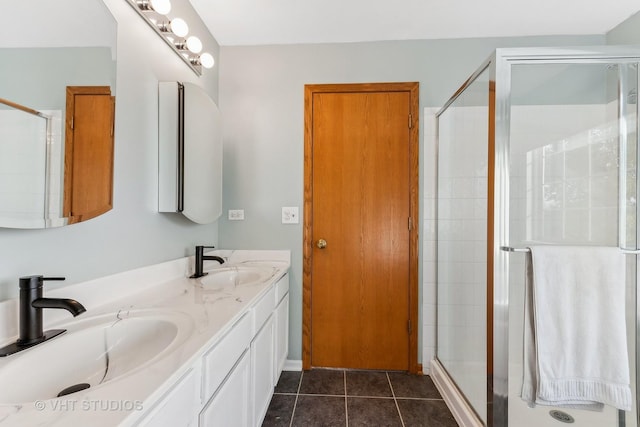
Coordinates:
[281,337]
[230,405]
[179,406]
[262,370]
[221,359]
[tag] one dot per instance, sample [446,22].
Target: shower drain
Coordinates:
[561,416]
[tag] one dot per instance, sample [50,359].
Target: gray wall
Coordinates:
[261,98]
[627,32]
[25,83]
[133,234]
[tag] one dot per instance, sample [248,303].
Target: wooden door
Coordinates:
[88,178]
[361,185]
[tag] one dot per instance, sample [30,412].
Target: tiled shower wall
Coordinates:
[27,156]
[459,251]
[564,175]
[462,239]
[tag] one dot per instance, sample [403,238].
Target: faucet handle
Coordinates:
[200,249]
[34,282]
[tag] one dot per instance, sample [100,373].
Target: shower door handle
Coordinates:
[629,155]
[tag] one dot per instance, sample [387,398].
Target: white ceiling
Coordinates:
[256,22]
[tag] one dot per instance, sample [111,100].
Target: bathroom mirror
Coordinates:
[48,47]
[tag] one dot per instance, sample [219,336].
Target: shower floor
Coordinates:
[520,414]
[330,397]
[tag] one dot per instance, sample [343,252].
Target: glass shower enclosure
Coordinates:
[538,147]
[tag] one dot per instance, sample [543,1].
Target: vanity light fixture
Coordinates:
[174,32]
[207,61]
[177,26]
[161,6]
[194,44]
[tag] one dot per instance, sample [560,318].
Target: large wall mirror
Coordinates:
[56,112]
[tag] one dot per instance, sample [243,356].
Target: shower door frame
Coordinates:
[498,242]
[498,248]
[485,66]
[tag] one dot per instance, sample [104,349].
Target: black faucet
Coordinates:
[30,308]
[200,258]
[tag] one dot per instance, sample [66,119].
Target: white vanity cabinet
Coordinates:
[219,361]
[208,352]
[226,379]
[179,405]
[269,347]
[230,406]
[281,327]
[241,370]
[262,355]
[269,350]
[232,383]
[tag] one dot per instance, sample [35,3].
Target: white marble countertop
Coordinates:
[162,288]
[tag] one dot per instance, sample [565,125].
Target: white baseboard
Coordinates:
[292,365]
[462,412]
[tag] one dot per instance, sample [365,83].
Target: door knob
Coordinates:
[321,244]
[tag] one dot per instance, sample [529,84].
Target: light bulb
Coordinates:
[207,60]
[161,6]
[179,27]
[194,44]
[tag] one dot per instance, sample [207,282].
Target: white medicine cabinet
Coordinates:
[190,152]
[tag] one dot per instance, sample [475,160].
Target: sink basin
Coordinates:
[92,352]
[229,277]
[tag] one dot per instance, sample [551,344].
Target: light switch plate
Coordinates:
[236,214]
[290,215]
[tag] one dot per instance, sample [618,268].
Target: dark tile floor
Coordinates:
[328,397]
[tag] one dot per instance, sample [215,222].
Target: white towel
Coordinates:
[575,341]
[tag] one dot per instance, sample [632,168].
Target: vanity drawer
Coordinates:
[219,361]
[263,309]
[282,287]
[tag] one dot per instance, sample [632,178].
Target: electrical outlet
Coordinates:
[290,215]
[236,214]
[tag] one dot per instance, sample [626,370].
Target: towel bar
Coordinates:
[511,249]
[630,251]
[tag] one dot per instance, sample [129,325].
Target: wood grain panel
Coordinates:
[88,189]
[361,162]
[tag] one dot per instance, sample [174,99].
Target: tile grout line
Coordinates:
[354,396]
[295,403]
[393,393]
[346,406]
[364,396]
[435,399]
